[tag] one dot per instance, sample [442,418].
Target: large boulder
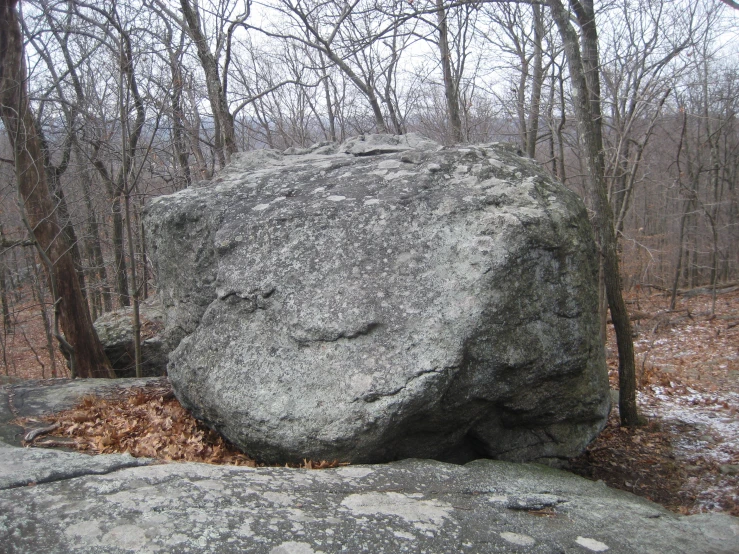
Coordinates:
[115,331]
[382,299]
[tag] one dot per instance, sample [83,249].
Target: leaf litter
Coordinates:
[687,456]
[144,422]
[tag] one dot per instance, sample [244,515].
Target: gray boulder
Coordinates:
[115,330]
[383,299]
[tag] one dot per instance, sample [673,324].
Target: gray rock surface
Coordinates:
[115,330]
[411,506]
[60,502]
[22,467]
[382,299]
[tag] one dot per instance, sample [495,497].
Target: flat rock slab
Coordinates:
[47,397]
[408,506]
[23,467]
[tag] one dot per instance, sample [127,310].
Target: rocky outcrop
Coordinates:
[107,504]
[58,502]
[115,330]
[382,299]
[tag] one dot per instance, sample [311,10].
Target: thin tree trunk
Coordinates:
[225,136]
[586,98]
[562,175]
[686,209]
[144,258]
[97,261]
[7,322]
[450,89]
[679,263]
[182,155]
[538,77]
[119,257]
[329,104]
[136,320]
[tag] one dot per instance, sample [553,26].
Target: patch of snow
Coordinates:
[711,413]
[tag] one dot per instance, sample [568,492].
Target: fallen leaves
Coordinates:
[688,369]
[144,422]
[637,460]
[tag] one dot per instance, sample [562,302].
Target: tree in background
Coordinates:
[80,340]
[582,59]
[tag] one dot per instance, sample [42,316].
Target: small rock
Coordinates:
[729,469]
[115,330]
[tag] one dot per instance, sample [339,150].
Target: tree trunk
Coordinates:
[450,89]
[93,235]
[7,321]
[182,154]
[224,121]
[121,269]
[586,99]
[34,195]
[538,77]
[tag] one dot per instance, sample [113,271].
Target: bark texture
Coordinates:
[450,86]
[34,195]
[582,60]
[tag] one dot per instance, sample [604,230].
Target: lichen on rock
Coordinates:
[382,299]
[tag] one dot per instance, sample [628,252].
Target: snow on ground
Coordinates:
[712,415]
[688,370]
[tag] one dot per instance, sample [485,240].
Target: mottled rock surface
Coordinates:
[56,502]
[382,299]
[411,506]
[115,330]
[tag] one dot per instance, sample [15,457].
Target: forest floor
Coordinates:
[686,457]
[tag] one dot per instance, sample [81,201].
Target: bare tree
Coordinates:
[583,63]
[79,340]
[216,78]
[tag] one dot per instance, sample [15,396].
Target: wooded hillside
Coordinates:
[135,98]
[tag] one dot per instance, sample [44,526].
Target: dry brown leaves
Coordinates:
[686,346]
[145,422]
[636,460]
[693,359]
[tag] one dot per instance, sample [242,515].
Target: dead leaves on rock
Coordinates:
[145,422]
